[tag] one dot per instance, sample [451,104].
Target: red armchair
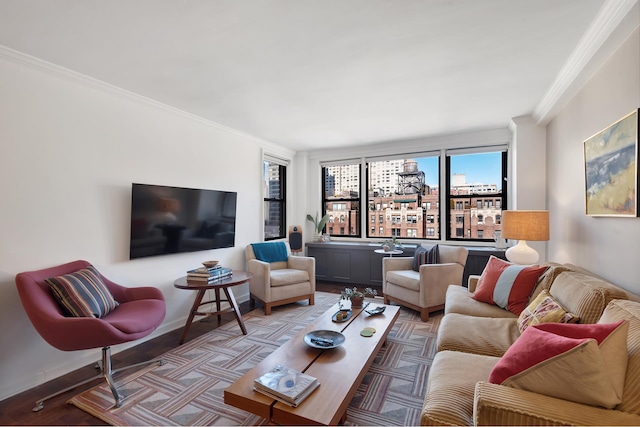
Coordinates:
[140,311]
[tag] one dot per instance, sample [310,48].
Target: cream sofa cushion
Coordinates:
[482,335]
[405,278]
[287,276]
[460,300]
[451,386]
[584,294]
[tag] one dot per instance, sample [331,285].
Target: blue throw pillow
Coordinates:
[425,256]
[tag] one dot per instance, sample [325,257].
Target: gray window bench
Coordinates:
[357,263]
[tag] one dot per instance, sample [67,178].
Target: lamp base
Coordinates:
[522,254]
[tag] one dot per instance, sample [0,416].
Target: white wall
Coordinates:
[607,246]
[70,147]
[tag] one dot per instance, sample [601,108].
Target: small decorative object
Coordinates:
[376,311]
[524,226]
[318,224]
[611,169]
[326,237]
[356,296]
[210,264]
[391,244]
[324,339]
[501,243]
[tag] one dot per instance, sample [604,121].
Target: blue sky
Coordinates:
[482,168]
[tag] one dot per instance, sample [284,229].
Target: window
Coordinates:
[403,194]
[274,189]
[402,190]
[475,187]
[341,196]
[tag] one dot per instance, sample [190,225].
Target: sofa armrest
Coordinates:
[472,282]
[500,405]
[304,263]
[394,264]
[260,283]
[434,281]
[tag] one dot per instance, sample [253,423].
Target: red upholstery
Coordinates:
[140,312]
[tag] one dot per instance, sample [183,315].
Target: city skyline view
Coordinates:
[474,166]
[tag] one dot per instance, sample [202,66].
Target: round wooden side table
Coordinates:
[237,277]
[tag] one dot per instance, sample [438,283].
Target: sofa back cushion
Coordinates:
[628,310]
[453,254]
[584,295]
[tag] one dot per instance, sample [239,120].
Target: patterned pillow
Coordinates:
[584,363]
[83,293]
[423,255]
[544,308]
[507,285]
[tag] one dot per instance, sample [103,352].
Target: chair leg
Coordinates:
[105,372]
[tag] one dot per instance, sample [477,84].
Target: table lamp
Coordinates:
[523,226]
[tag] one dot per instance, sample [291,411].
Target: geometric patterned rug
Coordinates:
[188,389]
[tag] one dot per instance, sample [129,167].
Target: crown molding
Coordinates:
[604,24]
[82,79]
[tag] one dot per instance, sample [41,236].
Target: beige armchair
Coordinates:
[423,290]
[280,282]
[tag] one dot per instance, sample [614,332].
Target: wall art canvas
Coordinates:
[611,169]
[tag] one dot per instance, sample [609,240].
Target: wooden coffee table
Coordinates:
[339,370]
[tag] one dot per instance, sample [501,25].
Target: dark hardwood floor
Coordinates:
[17,410]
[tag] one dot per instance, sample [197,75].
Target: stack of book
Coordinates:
[286,385]
[204,275]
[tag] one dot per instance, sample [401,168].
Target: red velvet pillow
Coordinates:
[507,285]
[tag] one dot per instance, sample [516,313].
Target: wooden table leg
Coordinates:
[236,311]
[218,305]
[194,309]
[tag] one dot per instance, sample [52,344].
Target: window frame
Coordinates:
[501,195]
[282,200]
[331,230]
[444,229]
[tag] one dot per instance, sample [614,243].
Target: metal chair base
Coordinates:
[104,366]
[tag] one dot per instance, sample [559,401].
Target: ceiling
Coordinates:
[311,74]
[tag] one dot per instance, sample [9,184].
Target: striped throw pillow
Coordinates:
[507,285]
[83,293]
[423,255]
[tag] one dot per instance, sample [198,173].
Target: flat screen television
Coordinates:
[168,220]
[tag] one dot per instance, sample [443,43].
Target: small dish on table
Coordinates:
[324,339]
[342,316]
[377,310]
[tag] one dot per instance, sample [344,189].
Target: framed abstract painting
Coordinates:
[611,169]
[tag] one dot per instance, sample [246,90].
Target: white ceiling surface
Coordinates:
[310,74]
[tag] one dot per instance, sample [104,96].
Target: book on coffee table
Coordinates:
[286,385]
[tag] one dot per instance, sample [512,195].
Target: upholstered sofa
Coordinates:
[473,337]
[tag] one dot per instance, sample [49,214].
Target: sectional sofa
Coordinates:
[477,341]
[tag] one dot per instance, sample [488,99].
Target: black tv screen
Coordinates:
[168,220]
